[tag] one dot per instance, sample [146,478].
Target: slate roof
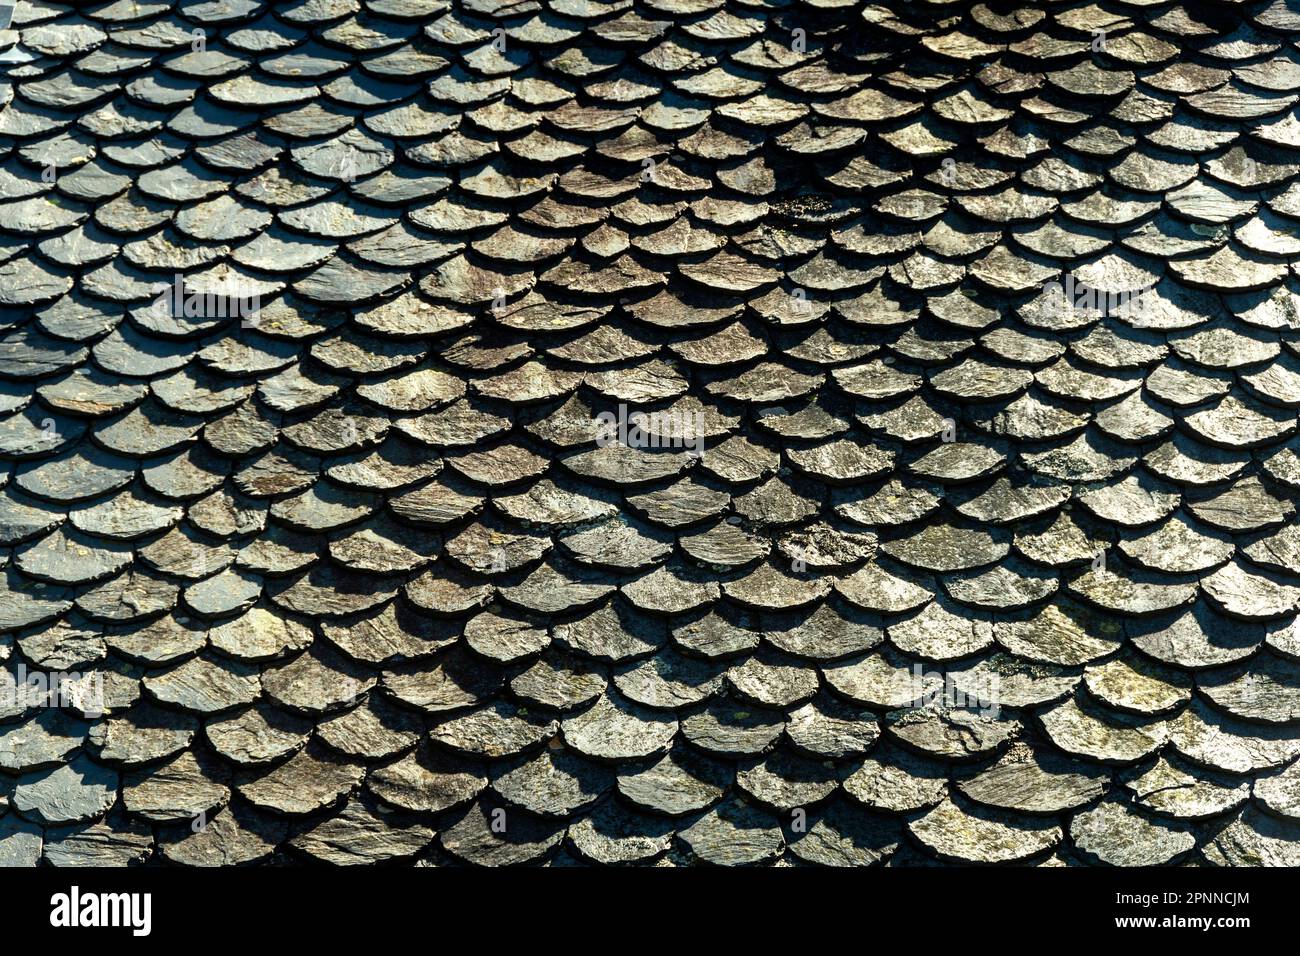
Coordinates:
[361,577]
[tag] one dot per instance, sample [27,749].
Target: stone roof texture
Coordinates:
[650,432]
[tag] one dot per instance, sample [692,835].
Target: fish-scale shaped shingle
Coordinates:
[1118,835]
